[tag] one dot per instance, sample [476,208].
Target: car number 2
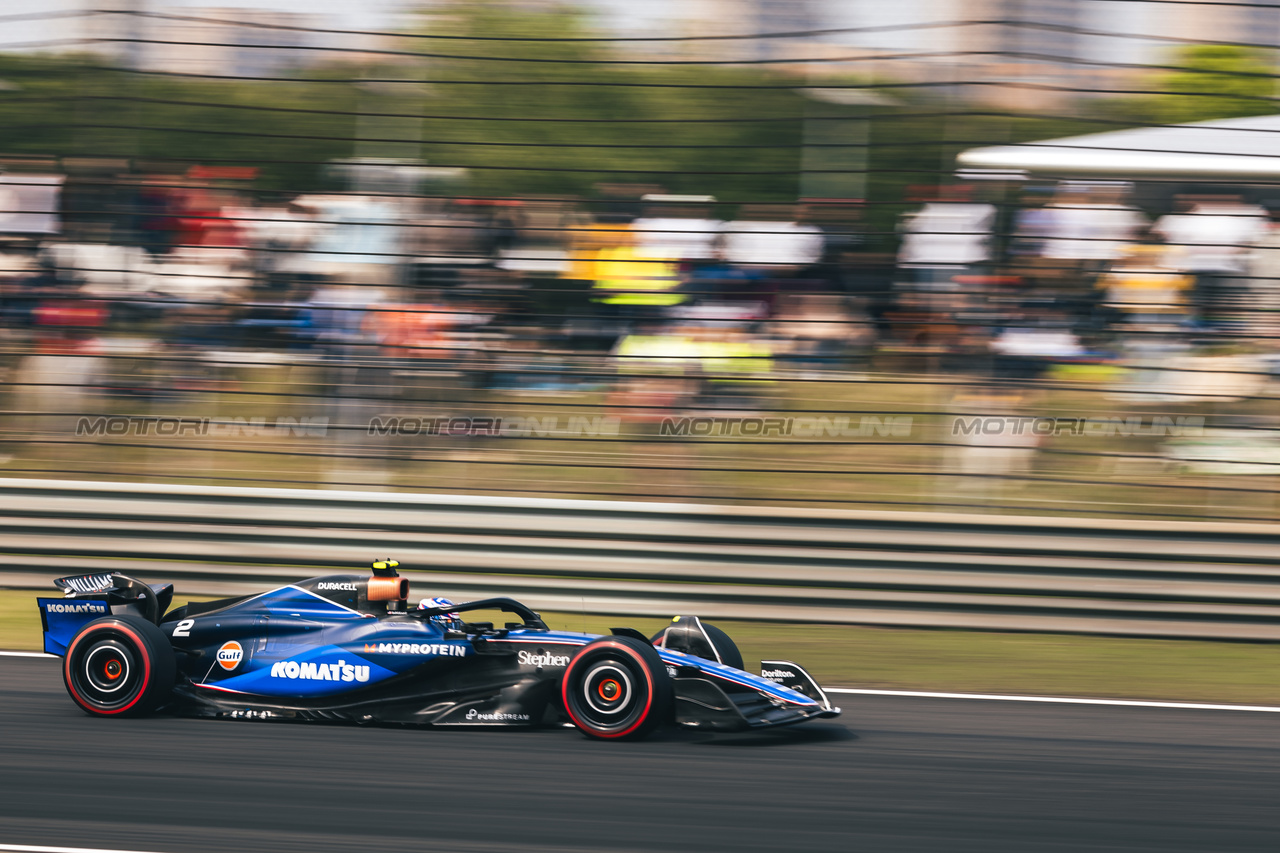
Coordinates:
[183,628]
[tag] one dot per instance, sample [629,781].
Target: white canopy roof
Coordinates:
[1228,148]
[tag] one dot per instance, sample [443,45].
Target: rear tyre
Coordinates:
[724,645]
[616,688]
[119,666]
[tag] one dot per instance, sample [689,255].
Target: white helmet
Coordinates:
[449,620]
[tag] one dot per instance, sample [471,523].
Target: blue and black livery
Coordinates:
[345,647]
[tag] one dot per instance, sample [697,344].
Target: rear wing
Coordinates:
[93,596]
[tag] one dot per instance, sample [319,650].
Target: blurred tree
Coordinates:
[75,106]
[524,117]
[1213,82]
[560,116]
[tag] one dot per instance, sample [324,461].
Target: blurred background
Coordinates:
[1005,256]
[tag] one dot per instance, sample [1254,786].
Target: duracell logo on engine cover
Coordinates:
[345,587]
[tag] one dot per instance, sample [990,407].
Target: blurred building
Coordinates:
[1043,52]
[251,42]
[757,16]
[231,42]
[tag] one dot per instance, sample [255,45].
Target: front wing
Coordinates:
[717,697]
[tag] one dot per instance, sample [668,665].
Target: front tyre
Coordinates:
[119,666]
[617,687]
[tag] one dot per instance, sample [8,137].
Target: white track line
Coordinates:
[1061,700]
[30,848]
[919,694]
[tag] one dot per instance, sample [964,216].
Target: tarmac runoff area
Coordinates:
[897,772]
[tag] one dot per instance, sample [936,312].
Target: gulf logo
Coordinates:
[230,655]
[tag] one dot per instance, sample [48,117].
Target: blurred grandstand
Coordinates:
[807,265]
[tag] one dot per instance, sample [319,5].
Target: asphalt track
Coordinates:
[911,774]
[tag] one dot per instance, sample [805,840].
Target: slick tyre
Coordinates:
[119,666]
[724,645]
[617,688]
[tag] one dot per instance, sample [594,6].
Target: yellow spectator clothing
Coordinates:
[1138,288]
[589,243]
[623,277]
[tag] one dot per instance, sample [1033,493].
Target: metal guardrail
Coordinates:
[1143,578]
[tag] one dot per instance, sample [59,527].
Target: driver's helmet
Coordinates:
[451,621]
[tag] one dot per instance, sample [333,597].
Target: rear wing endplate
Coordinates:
[62,618]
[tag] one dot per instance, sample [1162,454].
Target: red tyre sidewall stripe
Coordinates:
[648,704]
[146,669]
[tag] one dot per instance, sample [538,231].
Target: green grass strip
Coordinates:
[910,659]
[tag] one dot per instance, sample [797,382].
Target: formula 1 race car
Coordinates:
[347,647]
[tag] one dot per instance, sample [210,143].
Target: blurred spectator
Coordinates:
[1033,226]
[737,366]
[775,244]
[942,243]
[1143,291]
[157,215]
[1089,228]
[816,331]
[991,461]
[946,239]
[1260,308]
[1211,240]
[656,374]
[1026,350]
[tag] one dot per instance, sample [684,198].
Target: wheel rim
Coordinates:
[609,694]
[108,674]
[608,690]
